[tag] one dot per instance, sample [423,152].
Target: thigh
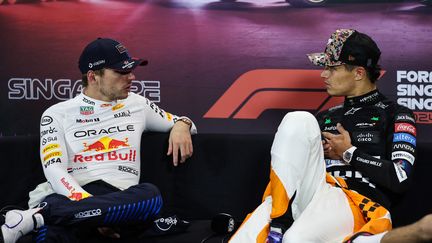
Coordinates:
[327,218]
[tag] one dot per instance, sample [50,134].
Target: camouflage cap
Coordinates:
[348,46]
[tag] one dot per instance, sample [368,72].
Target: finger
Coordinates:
[169,147]
[326,146]
[184,153]
[327,136]
[190,148]
[341,129]
[175,154]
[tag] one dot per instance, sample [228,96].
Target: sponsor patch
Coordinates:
[86,110]
[366,137]
[381,105]
[52,155]
[109,130]
[405,127]
[403,147]
[370,162]
[352,111]
[90,102]
[365,124]
[405,117]
[330,128]
[403,155]
[50,147]
[50,130]
[48,140]
[122,114]
[333,162]
[404,137]
[51,161]
[165,224]
[117,107]
[128,169]
[87,120]
[72,169]
[46,120]
[121,48]
[88,213]
[370,97]
[110,156]
[400,172]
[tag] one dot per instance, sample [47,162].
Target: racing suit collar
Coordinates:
[369,98]
[86,100]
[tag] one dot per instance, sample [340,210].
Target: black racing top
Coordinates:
[385,136]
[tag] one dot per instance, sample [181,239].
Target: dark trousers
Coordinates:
[66,220]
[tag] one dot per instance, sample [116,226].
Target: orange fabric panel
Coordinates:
[369,216]
[262,236]
[280,199]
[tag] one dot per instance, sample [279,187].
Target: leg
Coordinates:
[136,204]
[297,166]
[327,218]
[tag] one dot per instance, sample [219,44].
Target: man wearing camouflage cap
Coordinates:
[367,146]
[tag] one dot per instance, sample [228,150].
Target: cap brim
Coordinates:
[321,59]
[129,65]
[318,59]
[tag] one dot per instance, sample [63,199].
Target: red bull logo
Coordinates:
[110,156]
[106,144]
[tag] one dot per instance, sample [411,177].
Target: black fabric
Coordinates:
[109,207]
[227,173]
[370,120]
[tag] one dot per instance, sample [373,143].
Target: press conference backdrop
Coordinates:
[233,67]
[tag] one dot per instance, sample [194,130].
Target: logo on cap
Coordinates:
[120,48]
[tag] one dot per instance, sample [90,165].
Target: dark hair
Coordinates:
[84,79]
[361,50]
[373,73]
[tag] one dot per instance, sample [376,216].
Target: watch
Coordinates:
[185,120]
[348,154]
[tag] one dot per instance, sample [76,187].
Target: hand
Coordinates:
[180,140]
[337,143]
[329,152]
[108,232]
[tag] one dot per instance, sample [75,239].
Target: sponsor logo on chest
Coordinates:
[366,137]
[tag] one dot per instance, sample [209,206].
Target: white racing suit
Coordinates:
[324,210]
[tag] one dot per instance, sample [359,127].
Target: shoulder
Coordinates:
[60,109]
[330,111]
[399,112]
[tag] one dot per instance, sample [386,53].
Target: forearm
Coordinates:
[64,184]
[381,171]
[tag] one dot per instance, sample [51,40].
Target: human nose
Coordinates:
[131,76]
[325,73]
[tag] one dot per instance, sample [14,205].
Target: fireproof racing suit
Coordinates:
[352,199]
[84,140]
[385,136]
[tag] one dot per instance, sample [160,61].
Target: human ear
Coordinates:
[359,73]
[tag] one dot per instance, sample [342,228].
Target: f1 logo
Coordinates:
[263,89]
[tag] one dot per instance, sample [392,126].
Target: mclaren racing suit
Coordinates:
[352,199]
[83,141]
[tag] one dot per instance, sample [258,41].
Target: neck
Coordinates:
[363,88]
[95,95]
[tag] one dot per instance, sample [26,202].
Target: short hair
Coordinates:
[84,79]
[373,72]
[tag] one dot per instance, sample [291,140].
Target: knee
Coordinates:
[299,122]
[146,189]
[290,237]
